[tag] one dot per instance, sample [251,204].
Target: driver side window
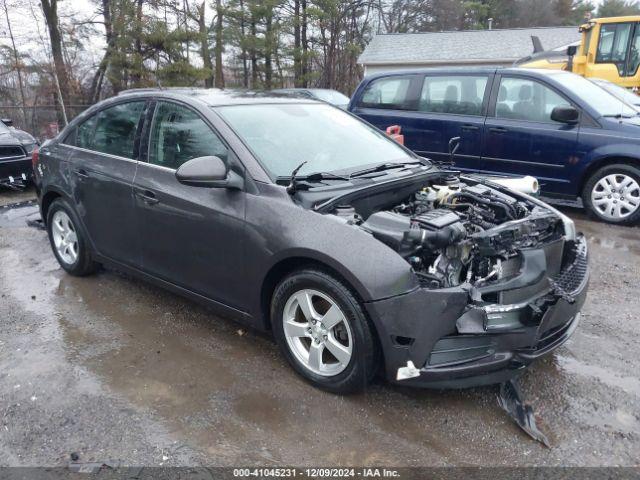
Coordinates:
[178,134]
[523,99]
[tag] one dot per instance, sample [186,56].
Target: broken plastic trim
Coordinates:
[511,401]
[410,371]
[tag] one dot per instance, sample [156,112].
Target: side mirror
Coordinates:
[209,172]
[565,114]
[572,50]
[7,121]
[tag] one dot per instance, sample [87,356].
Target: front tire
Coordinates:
[612,194]
[68,240]
[323,332]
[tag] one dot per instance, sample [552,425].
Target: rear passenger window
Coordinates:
[116,129]
[85,131]
[462,95]
[388,92]
[82,135]
[523,99]
[179,134]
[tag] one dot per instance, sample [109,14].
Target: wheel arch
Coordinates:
[604,162]
[47,199]
[286,266]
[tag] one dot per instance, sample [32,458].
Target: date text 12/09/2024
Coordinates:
[316,472]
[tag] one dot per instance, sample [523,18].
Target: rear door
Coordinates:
[192,237]
[520,137]
[101,171]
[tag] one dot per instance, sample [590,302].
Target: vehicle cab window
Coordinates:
[178,134]
[634,53]
[462,95]
[523,99]
[613,44]
[116,129]
[388,92]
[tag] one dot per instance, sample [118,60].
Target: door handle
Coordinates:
[498,130]
[82,173]
[470,128]
[147,196]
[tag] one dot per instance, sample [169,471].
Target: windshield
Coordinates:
[282,136]
[331,96]
[602,101]
[620,92]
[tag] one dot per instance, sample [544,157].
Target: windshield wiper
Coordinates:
[619,115]
[382,167]
[311,177]
[316,176]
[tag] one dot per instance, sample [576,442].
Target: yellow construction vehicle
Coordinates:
[609,49]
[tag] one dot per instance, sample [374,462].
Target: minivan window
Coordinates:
[116,129]
[523,99]
[179,134]
[591,94]
[461,95]
[387,92]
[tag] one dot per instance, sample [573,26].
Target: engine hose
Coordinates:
[437,239]
[508,210]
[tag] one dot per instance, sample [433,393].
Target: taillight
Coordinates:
[35,156]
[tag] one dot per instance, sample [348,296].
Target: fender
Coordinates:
[594,158]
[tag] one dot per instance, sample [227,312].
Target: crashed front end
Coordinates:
[502,280]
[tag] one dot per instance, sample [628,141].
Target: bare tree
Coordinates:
[61,79]
[18,62]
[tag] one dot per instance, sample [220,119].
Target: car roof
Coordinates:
[470,70]
[217,97]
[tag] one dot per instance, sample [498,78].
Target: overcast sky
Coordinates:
[28,33]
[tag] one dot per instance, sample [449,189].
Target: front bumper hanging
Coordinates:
[447,338]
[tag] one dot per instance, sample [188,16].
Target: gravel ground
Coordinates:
[113,369]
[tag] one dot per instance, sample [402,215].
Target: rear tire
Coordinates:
[612,194]
[323,332]
[68,240]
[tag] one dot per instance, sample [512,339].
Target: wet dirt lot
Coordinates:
[114,369]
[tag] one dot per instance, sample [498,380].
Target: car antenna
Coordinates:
[291,188]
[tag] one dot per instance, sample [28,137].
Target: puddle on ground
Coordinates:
[224,392]
[604,375]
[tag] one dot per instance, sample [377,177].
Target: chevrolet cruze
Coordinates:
[295,217]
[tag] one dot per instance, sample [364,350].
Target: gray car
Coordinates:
[295,217]
[16,148]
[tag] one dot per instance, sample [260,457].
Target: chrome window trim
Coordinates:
[96,152]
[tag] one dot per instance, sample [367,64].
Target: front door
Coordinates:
[450,106]
[103,167]
[520,137]
[192,237]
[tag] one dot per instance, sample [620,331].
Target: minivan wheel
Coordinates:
[612,194]
[68,240]
[323,332]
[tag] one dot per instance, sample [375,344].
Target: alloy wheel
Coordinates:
[317,332]
[65,238]
[616,196]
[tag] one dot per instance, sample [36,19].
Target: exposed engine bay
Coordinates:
[453,232]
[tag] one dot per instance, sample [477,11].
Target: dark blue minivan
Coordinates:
[580,141]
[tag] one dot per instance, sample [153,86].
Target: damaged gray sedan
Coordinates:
[295,217]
